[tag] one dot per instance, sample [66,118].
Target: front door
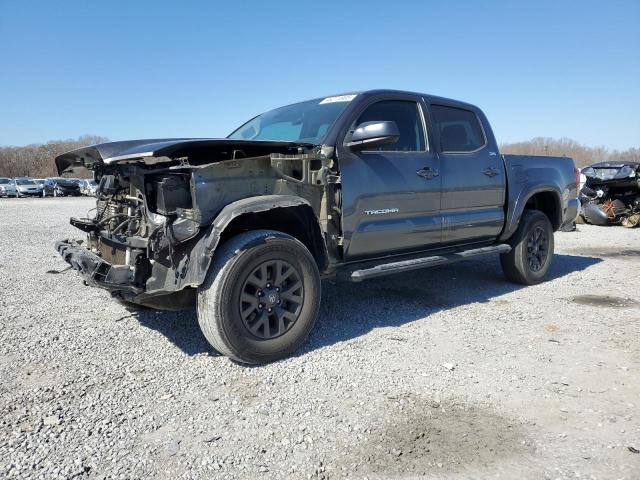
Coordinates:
[391,194]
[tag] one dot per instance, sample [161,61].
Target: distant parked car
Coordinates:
[61,187]
[8,188]
[40,182]
[88,187]
[27,187]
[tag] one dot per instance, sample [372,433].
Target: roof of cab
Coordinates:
[426,96]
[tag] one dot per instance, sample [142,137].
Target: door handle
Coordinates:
[490,172]
[427,173]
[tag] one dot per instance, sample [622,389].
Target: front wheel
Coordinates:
[260,298]
[532,249]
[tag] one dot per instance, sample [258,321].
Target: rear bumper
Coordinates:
[95,270]
[571,213]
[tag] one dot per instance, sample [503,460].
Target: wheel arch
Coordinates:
[546,199]
[285,213]
[548,202]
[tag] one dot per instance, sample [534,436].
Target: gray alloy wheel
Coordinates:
[271,299]
[531,249]
[537,248]
[260,298]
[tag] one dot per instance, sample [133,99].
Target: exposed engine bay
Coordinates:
[154,226]
[611,194]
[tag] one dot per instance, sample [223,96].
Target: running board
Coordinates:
[415,264]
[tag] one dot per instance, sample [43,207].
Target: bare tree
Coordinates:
[37,160]
[565,147]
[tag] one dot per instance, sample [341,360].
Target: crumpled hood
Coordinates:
[132,151]
[615,164]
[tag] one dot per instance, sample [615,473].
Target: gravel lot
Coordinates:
[445,373]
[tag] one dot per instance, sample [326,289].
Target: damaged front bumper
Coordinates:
[95,270]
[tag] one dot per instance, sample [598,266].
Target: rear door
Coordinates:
[390,194]
[473,176]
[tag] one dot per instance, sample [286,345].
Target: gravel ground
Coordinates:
[445,373]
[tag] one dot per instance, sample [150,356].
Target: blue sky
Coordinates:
[198,69]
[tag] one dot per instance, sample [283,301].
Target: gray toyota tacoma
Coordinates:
[351,187]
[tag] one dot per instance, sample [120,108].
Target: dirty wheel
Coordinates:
[260,298]
[532,250]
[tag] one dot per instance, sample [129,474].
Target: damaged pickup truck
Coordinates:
[611,194]
[350,187]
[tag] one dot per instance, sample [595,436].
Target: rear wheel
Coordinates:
[532,249]
[260,298]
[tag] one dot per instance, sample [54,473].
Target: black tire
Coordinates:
[524,264]
[237,268]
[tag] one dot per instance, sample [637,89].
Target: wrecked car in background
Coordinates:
[352,187]
[88,187]
[611,194]
[61,187]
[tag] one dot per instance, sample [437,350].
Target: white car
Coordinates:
[8,188]
[88,187]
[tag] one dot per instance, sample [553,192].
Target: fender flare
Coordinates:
[192,265]
[517,206]
[263,203]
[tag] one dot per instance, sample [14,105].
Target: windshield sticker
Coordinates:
[338,98]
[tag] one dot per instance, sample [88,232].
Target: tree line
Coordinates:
[36,160]
[565,147]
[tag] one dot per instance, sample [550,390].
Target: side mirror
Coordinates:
[374,134]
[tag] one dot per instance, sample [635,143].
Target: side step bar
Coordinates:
[415,264]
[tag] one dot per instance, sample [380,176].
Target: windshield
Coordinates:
[24,181]
[306,122]
[4,181]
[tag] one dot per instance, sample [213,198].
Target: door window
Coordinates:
[408,119]
[459,129]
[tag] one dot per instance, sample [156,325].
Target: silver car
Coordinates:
[8,188]
[27,187]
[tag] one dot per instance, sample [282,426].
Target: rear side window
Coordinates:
[407,118]
[459,129]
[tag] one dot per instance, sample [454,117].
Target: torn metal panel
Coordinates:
[160,218]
